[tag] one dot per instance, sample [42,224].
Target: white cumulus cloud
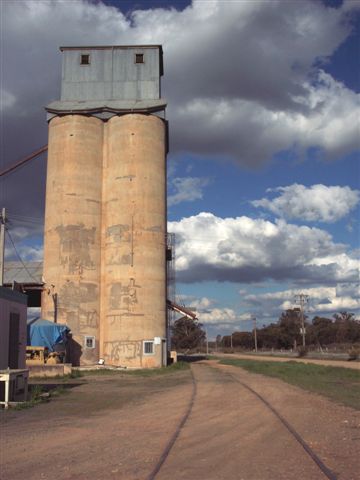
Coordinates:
[7,100]
[209,313]
[247,90]
[316,203]
[321,300]
[186,189]
[243,249]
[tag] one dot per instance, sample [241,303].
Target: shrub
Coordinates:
[302,352]
[354,353]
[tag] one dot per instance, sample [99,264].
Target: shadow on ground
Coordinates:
[191,358]
[49,387]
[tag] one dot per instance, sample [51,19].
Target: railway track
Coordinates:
[175,435]
[326,472]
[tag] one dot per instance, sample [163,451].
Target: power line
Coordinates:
[15,216]
[27,223]
[19,257]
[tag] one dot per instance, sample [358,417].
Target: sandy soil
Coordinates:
[111,427]
[116,427]
[244,440]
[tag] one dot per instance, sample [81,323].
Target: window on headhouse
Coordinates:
[89,342]
[84,59]
[139,58]
[148,348]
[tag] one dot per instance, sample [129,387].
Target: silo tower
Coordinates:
[105,216]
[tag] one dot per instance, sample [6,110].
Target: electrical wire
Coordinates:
[24,218]
[28,224]
[19,257]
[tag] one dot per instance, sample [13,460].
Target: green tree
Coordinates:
[243,340]
[347,328]
[322,331]
[289,324]
[239,339]
[187,334]
[270,336]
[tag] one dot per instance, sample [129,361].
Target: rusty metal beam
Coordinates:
[18,164]
[180,309]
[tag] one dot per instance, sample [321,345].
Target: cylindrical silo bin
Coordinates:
[134,225]
[73,231]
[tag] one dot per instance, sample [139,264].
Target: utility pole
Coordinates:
[255,332]
[231,344]
[2,245]
[302,299]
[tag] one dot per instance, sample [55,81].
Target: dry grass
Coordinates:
[337,383]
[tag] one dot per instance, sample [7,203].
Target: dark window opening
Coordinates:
[89,342]
[85,59]
[148,348]
[139,58]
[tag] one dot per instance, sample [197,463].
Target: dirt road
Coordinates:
[117,428]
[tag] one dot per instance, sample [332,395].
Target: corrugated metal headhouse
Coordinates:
[109,80]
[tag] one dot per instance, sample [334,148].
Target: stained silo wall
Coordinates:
[73,230]
[134,226]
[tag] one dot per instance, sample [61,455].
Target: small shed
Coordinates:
[27,276]
[13,312]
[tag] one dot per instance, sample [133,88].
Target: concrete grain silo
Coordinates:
[105,219]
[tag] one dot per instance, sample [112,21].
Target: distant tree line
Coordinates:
[342,328]
[285,334]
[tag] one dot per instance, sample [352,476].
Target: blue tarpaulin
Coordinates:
[43,333]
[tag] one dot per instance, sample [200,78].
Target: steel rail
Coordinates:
[326,471]
[174,437]
[18,164]
[330,475]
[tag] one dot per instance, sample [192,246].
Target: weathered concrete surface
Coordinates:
[105,227]
[73,229]
[56,370]
[133,297]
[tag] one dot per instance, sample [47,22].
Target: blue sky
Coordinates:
[263,105]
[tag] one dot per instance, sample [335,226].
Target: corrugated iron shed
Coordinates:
[110,80]
[26,273]
[28,279]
